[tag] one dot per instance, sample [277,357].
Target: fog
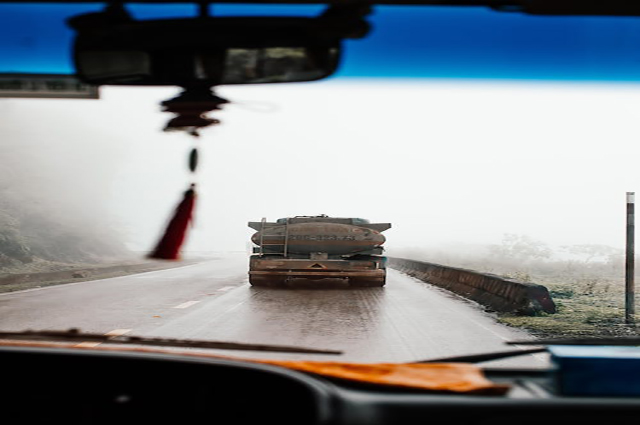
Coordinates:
[446,162]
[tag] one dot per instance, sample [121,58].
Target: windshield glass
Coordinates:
[499,147]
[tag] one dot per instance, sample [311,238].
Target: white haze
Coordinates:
[445,162]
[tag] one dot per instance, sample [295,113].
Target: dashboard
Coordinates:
[99,387]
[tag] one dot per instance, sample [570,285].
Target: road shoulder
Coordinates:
[12,282]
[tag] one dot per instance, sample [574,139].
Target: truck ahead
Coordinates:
[318,247]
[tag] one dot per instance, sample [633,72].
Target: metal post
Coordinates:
[285,248]
[630,261]
[262,227]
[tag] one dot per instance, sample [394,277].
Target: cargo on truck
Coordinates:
[318,247]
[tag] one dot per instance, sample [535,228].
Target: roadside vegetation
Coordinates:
[586,282]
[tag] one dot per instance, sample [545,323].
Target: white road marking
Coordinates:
[113,333]
[118,332]
[87,344]
[187,304]
[226,288]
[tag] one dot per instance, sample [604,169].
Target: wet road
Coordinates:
[406,320]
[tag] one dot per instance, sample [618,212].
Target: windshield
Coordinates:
[466,142]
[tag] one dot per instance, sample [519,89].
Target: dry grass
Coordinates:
[585,307]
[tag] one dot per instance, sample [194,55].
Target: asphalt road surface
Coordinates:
[406,320]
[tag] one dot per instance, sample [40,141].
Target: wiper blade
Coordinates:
[484,357]
[621,341]
[76,335]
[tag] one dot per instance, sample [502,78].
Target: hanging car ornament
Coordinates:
[168,248]
[190,107]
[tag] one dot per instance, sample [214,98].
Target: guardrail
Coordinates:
[496,292]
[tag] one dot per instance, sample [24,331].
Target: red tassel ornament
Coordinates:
[190,107]
[174,236]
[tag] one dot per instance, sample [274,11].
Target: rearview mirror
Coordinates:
[208,51]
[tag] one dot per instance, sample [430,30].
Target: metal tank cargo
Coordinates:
[318,247]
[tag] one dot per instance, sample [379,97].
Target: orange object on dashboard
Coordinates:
[447,377]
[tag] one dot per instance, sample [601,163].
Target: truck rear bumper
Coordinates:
[320,275]
[274,271]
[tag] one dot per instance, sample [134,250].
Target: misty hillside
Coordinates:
[31,236]
[38,240]
[54,192]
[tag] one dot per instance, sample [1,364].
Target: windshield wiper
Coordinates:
[485,357]
[76,335]
[620,341]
